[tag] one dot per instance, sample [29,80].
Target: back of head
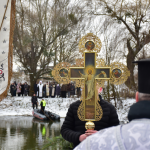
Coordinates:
[141,109]
[143,96]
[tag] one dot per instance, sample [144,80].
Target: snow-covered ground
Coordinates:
[22,106]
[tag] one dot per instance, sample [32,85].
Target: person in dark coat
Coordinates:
[64,90]
[15,89]
[35,88]
[44,90]
[72,90]
[34,101]
[69,89]
[28,89]
[11,89]
[22,89]
[58,90]
[73,127]
[25,89]
[135,134]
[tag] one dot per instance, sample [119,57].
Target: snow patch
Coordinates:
[22,106]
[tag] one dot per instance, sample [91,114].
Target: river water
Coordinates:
[26,133]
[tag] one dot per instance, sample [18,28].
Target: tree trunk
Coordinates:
[32,82]
[130,83]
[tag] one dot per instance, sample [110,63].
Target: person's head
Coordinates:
[89,71]
[34,94]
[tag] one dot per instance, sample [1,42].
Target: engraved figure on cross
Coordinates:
[90,74]
[89,80]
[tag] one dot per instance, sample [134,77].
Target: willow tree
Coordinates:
[130,22]
[39,24]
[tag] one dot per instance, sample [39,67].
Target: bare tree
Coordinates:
[39,25]
[130,22]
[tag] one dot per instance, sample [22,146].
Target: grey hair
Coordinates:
[143,96]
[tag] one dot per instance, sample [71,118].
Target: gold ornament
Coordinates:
[79,82]
[100,62]
[79,62]
[61,72]
[101,83]
[119,73]
[90,42]
[99,111]
[89,125]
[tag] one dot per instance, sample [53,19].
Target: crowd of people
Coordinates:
[20,89]
[55,90]
[45,90]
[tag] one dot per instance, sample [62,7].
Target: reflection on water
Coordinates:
[26,133]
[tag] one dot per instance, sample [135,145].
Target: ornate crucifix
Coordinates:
[89,73]
[89,77]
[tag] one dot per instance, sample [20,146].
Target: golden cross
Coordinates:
[89,73]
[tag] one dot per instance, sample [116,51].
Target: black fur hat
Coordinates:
[143,75]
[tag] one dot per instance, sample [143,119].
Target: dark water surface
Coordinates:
[26,133]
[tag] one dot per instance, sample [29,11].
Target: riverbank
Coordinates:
[21,106]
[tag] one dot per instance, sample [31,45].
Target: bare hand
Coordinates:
[82,137]
[90,132]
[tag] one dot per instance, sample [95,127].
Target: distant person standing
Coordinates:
[50,89]
[25,89]
[40,87]
[22,89]
[44,90]
[47,89]
[34,101]
[43,104]
[19,89]
[35,88]
[15,84]
[68,89]
[72,90]
[53,90]
[63,90]
[58,90]
[13,89]
[28,89]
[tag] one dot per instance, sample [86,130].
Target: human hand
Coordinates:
[82,137]
[90,132]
